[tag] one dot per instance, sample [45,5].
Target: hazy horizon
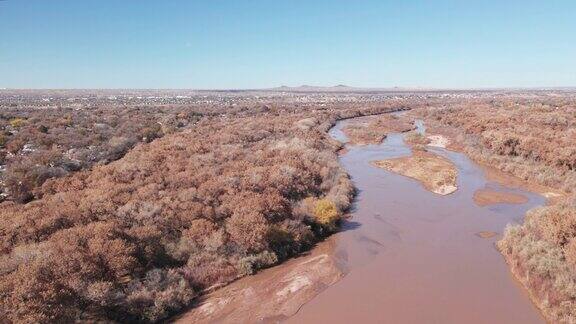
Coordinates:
[307,86]
[258,45]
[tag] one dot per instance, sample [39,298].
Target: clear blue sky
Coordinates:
[253,44]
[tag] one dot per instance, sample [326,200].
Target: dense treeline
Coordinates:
[536,140]
[137,239]
[38,144]
[532,139]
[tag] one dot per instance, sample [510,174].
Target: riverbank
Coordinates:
[402,246]
[392,232]
[541,252]
[273,294]
[409,246]
[286,286]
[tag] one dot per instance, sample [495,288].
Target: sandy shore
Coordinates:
[438,141]
[436,173]
[508,180]
[485,197]
[274,294]
[448,138]
[486,234]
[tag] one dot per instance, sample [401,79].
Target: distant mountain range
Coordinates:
[341,88]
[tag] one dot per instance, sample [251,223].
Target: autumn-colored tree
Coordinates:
[141,227]
[326,213]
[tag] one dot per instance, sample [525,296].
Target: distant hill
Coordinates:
[309,88]
[341,88]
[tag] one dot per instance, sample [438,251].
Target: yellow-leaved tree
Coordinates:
[326,213]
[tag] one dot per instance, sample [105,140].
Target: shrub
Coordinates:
[570,253]
[417,141]
[555,224]
[17,122]
[248,231]
[250,264]
[42,129]
[159,294]
[282,242]
[326,213]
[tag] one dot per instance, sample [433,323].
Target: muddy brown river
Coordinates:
[406,255]
[412,256]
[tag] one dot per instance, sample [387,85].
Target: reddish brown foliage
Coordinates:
[531,138]
[137,239]
[373,130]
[54,142]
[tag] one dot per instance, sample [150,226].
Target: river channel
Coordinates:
[412,256]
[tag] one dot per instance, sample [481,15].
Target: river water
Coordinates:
[412,256]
